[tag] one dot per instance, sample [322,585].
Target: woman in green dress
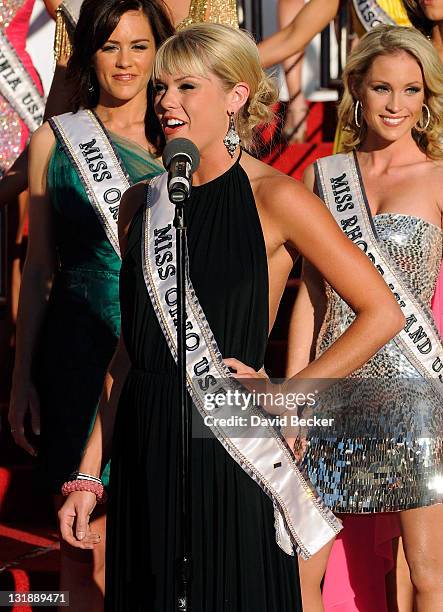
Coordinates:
[69,318]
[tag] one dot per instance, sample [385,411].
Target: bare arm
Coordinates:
[52,6]
[306,318]
[75,513]
[179,10]
[308,311]
[36,285]
[311,20]
[305,223]
[301,332]
[297,218]
[98,448]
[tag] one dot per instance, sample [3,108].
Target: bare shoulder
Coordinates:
[434,169]
[40,151]
[40,146]
[274,191]
[287,207]
[434,180]
[43,137]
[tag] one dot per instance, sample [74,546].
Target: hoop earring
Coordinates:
[423,128]
[356,107]
[232,139]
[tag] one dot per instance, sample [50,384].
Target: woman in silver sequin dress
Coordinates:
[385,450]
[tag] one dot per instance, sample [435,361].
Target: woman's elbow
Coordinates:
[390,318]
[397,320]
[383,316]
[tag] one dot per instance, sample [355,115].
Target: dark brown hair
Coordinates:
[417,17]
[98,19]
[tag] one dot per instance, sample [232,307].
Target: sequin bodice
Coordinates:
[415,245]
[213,11]
[15,16]
[8,11]
[383,449]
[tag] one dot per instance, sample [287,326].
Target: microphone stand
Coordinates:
[184,564]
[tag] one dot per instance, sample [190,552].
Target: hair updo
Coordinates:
[232,56]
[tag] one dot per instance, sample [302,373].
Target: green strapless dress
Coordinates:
[82,322]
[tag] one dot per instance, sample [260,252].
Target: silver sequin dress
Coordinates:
[384,450]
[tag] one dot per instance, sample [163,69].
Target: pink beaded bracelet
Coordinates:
[85,485]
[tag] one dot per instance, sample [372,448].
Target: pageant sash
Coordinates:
[18,88]
[71,10]
[98,166]
[341,188]
[370,14]
[301,519]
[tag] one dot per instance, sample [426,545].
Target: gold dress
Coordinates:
[384,450]
[212,11]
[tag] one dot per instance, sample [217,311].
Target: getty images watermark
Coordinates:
[335,408]
[251,412]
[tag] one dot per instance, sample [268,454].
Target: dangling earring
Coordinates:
[91,86]
[356,107]
[423,128]
[232,139]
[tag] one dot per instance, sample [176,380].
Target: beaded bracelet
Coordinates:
[85,485]
[83,476]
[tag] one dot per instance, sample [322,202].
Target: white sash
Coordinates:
[301,519]
[341,188]
[101,172]
[370,14]
[18,88]
[71,10]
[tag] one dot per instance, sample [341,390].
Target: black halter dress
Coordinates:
[238,566]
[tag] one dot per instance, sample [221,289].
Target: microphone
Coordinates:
[181,158]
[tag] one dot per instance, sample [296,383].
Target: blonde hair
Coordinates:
[232,56]
[389,40]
